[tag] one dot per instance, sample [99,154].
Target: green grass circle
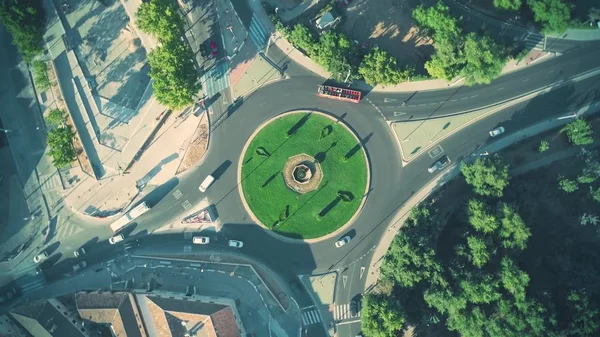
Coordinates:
[344,169]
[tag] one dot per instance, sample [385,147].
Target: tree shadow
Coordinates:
[329,207]
[358,146]
[320,157]
[270,179]
[298,124]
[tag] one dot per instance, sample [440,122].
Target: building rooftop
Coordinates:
[117,309]
[41,318]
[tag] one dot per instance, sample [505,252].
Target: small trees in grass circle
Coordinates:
[488,176]
[544,146]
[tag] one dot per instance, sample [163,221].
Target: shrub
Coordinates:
[544,146]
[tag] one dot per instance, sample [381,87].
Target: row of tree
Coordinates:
[338,55]
[171,64]
[60,139]
[25,20]
[477,58]
[553,15]
[469,274]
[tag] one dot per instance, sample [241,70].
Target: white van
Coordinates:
[206,183]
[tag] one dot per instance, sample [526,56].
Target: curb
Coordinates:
[281,236]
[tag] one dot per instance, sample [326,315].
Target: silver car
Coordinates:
[339,243]
[440,164]
[40,257]
[497,131]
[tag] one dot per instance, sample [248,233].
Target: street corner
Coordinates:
[257,73]
[321,287]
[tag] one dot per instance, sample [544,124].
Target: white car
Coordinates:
[342,241]
[206,183]
[79,266]
[236,244]
[439,164]
[497,131]
[40,257]
[79,252]
[116,238]
[201,240]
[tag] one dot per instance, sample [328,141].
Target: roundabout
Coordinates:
[303,175]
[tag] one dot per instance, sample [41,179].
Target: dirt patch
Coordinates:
[389,25]
[198,145]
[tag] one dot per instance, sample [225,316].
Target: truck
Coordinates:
[129,216]
[341,94]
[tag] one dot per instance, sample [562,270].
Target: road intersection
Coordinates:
[392,184]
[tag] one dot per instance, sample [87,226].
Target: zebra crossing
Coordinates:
[258,33]
[66,229]
[216,78]
[342,312]
[534,41]
[28,278]
[311,317]
[51,182]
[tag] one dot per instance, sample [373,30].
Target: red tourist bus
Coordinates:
[341,94]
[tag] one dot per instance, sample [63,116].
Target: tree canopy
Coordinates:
[60,142]
[508,5]
[379,67]
[554,15]
[484,59]
[488,176]
[25,20]
[384,318]
[161,19]
[579,132]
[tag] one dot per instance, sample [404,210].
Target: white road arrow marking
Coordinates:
[344,279]
[388,100]
[362,271]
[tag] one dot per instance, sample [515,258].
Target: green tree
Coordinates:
[161,19]
[301,37]
[334,52]
[436,19]
[567,185]
[488,176]
[56,118]
[587,177]
[514,233]
[484,59]
[480,217]
[480,288]
[39,70]
[60,142]
[554,15]
[174,76]
[411,257]
[447,62]
[595,194]
[585,315]
[508,5]
[379,67]
[544,146]
[579,132]
[25,20]
[479,253]
[514,280]
[382,316]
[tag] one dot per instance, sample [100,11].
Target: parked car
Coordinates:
[116,239]
[79,252]
[439,164]
[40,257]
[342,241]
[203,50]
[79,266]
[214,49]
[497,131]
[201,240]
[133,244]
[236,244]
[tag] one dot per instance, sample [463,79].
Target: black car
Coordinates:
[440,164]
[203,50]
[353,308]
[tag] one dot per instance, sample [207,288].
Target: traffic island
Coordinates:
[303,175]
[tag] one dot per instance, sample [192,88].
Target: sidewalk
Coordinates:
[453,171]
[132,144]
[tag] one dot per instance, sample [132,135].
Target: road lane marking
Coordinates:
[454,100]
[436,151]
[177,194]
[396,114]
[525,80]
[187,248]
[186,205]
[344,280]
[501,88]
[388,100]
[362,271]
[474,96]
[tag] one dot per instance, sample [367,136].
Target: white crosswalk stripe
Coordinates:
[216,79]
[534,41]
[258,33]
[50,182]
[66,230]
[342,311]
[24,268]
[33,285]
[311,317]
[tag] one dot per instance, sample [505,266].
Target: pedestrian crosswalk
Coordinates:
[258,33]
[311,316]
[31,283]
[66,229]
[534,41]
[216,78]
[342,312]
[51,182]
[28,278]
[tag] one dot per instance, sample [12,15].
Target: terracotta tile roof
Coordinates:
[225,324]
[117,309]
[43,319]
